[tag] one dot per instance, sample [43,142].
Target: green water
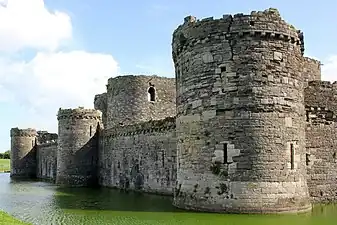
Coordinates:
[45,204]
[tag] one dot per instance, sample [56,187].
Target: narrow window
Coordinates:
[223,69]
[152,93]
[90,130]
[307,159]
[292,155]
[225,153]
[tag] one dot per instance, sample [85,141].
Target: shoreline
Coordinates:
[7,219]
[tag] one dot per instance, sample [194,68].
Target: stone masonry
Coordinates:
[246,126]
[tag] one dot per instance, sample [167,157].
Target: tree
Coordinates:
[5,155]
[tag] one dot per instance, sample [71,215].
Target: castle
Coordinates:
[247,125]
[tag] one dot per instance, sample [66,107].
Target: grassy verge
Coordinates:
[4,165]
[6,219]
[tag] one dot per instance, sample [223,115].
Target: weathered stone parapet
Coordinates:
[101,103]
[79,113]
[46,137]
[29,132]
[142,128]
[311,70]
[321,95]
[48,143]
[263,25]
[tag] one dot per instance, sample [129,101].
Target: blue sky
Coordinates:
[64,59]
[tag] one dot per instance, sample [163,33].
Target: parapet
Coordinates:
[312,69]
[100,100]
[266,24]
[46,137]
[168,123]
[79,113]
[29,132]
[117,83]
[321,95]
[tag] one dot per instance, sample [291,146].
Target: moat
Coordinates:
[44,203]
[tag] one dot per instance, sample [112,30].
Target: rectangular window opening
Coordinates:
[292,155]
[225,153]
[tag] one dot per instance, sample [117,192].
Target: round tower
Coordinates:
[134,99]
[240,115]
[78,134]
[23,153]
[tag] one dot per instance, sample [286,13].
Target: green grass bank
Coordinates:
[4,165]
[6,219]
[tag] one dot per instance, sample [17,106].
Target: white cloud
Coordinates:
[28,23]
[329,69]
[53,80]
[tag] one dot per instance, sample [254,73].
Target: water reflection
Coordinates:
[44,203]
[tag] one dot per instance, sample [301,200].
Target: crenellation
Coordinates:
[29,132]
[246,125]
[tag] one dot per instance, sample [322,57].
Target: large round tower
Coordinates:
[78,133]
[23,153]
[240,115]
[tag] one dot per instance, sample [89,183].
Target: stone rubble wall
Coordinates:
[139,157]
[240,112]
[321,140]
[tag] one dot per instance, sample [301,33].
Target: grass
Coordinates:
[4,165]
[6,219]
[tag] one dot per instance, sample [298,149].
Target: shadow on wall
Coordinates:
[112,199]
[83,163]
[27,166]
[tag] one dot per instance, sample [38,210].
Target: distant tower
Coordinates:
[23,153]
[133,99]
[240,115]
[78,132]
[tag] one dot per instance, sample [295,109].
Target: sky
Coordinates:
[60,53]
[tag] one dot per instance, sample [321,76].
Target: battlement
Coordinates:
[29,132]
[48,143]
[115,83]
[323,84]
[142,128]
[44,137]
[312,61]
[266,24]
[321,96]
[79,113]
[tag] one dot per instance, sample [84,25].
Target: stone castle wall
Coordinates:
[139,157]
[46,161]
[128,99]
[246,125]
[321,140]
[240,115]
